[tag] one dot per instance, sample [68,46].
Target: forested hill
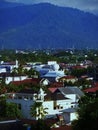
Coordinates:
[5,4]
[47,26]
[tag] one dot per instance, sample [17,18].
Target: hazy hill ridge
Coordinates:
[47,26]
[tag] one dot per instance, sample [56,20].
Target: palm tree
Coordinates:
[38,111]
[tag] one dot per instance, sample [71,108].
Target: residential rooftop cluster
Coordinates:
[50,91]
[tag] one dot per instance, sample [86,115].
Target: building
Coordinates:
[55,100]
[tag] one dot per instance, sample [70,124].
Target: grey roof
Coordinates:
[71,90]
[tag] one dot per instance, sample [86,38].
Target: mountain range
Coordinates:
[44,25]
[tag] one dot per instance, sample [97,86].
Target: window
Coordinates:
[61,107]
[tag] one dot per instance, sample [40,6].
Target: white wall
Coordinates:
[26,104]
[18,78]
[2,70]
[71,96]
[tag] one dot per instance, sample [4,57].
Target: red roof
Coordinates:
[56,84]
[27,81]
[95,84]
[78,67]
[92,89]
[52,89]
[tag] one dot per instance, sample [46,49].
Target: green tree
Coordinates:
[79,72]
[2,107]
[12,110]
[87,114]
[33,73]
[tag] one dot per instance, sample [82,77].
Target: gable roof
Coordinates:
[71,90]
[52,89]
[58,96]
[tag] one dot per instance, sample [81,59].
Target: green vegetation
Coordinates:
[47,26]
[63,56]
[37,110]
[87,114]
[9,110]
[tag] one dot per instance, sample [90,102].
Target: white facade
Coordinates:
[51,62]
[69,115]
[2,70]
[25,101]
[14,78]
[10,65]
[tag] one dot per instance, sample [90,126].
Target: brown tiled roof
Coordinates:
[27,81]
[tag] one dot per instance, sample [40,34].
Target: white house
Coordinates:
[50,71]
[56,100]
[9,79]
[9,65]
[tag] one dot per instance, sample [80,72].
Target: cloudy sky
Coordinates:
[86,5]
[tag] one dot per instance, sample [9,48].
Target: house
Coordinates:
[56,100]
[24,99]
[50,71]
[72,93]
[9,65]
[9,78]
[53,76]
[33,81]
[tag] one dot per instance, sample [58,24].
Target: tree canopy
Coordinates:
[87,114]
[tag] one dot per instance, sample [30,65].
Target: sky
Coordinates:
[85,5]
